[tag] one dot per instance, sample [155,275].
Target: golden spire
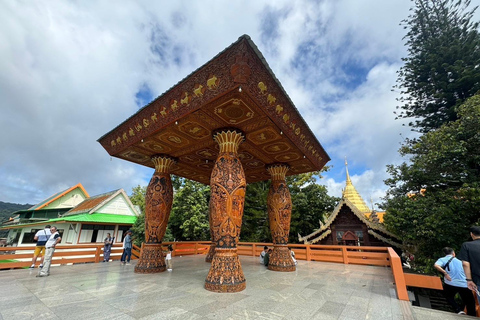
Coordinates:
[351,194]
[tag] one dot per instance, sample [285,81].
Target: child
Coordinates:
[293,255]
[262,254]
[168,258]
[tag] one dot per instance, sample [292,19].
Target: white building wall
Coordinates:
[117,205]
[70,200]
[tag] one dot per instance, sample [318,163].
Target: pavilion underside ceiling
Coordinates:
[237,90]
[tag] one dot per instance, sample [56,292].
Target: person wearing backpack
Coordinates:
[455,281]
[41,238]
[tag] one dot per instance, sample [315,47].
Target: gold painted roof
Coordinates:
[351,194]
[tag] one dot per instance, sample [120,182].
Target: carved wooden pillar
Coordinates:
[158,203]
[279,214]
[227,185]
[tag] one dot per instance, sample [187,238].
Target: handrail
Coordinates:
[21,257]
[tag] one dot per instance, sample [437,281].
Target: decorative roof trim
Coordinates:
[381,238]
[323,236]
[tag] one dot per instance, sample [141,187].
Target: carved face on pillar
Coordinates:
[227,199]
[227,184]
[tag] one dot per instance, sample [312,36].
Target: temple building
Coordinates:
[352,223]
[78,217]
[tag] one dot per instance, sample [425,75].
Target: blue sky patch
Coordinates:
[143,96]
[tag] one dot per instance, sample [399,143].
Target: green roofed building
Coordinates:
[78,217]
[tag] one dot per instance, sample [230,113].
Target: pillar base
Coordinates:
[211,252]
[226,274]
[151,259]
[281,259]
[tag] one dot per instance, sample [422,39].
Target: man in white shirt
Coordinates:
[41,237]
[49,250]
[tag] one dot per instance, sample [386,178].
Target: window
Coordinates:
[28,236]
[340,235]
[359,234]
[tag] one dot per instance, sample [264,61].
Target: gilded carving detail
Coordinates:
[174,105]
[262,87]
[271,99]
[198,91]
[186,98]
[212,82]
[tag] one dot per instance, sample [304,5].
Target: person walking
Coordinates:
[50,246]
[107,248]
[127,248]
[470,256]
[455,282]
[41,237]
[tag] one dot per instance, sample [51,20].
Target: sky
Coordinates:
[70,71]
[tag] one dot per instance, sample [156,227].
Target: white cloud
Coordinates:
[70,72]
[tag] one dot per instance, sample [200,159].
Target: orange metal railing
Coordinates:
[21,257]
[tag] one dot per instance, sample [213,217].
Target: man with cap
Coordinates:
[41,237]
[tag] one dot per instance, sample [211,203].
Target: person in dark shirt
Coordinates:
[266,259]
[470,256]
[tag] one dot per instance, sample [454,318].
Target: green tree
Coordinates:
[138,199]
[310,204]
[445,165]
[441,70]
[189,217]
[255,226]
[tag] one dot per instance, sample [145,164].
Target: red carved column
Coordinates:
[279,214]
[227,198]
[158,203]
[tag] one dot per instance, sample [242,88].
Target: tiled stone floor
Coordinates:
[111,291]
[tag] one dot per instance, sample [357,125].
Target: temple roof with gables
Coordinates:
[236,89]
[377,230]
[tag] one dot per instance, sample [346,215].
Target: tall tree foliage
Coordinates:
[446,164]
[255,226]
[189,216]
[138,199]
[442,67]
[310,204]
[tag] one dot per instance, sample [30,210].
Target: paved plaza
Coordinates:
[316,290]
